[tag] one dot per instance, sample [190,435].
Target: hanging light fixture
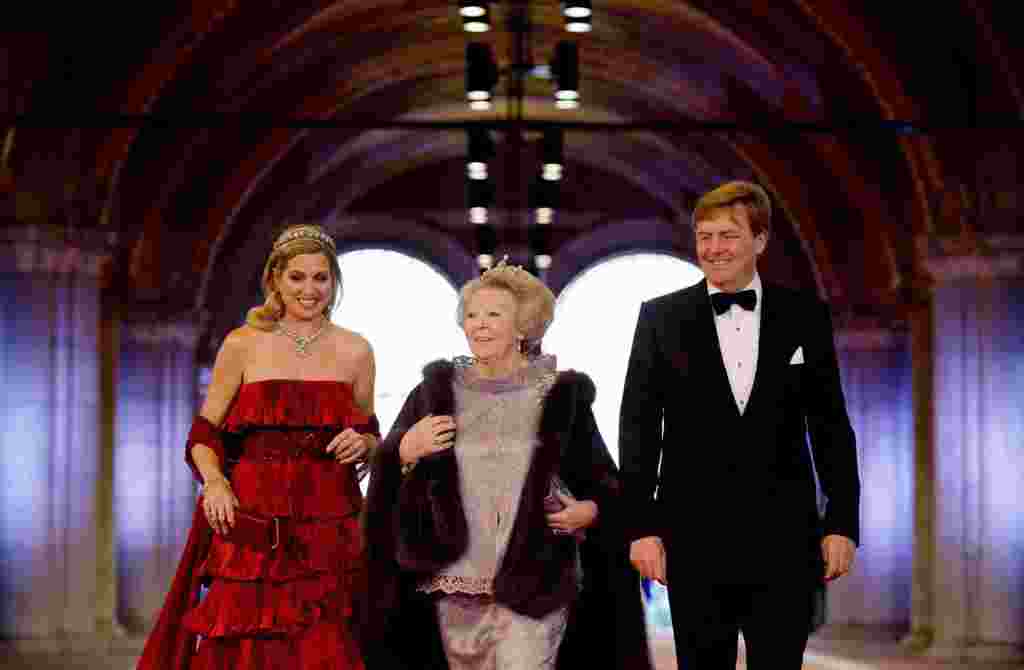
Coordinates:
[551,154]
[476,15]
[480,151]
[479,196]
[486,245]
[481,75]
[544,195]
[580,23]
[565,70]
[576,9]
[540,246]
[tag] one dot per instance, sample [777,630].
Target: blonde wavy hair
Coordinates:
[535,301]
[295,240]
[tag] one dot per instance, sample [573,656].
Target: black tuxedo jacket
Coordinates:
[734,498]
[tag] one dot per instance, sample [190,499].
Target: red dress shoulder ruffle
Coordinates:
[287,403]
[285,598]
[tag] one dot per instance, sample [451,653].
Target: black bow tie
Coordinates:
[723,301]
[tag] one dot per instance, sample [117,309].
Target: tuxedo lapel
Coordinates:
[710,349]
[771,347]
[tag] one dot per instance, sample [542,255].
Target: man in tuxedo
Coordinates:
[726,379]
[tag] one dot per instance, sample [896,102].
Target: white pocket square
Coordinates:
[798,356]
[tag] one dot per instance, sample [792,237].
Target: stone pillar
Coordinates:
[978,335]
[876,372]
[154,494]
[922,628]
[50,436]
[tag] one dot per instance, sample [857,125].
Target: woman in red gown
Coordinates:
[279,446]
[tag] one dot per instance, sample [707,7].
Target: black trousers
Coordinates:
[707,619]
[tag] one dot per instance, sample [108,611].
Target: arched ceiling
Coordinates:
[237,117]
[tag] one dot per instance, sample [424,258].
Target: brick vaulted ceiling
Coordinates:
[192,133]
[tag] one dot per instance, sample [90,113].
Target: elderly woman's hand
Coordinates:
[577,515]
[429,435]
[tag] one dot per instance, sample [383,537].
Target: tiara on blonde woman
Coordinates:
[305,233]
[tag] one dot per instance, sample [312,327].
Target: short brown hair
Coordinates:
[753,198]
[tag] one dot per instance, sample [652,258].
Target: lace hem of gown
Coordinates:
[449,584]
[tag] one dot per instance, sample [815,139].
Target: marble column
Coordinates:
[876,372]
[154,494]
[978,337]
[51,451]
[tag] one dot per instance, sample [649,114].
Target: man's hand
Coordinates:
[838,552]
[648,557]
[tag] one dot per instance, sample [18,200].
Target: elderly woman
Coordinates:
[286,425]
[493,542]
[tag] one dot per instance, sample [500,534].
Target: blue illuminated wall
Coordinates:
[876,371]
[49,441]
[154,491]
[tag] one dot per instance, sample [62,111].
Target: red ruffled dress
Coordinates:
[281,584]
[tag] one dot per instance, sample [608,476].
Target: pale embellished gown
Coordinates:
[496,434]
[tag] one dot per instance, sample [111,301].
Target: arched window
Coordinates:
[595,319]
[406,309]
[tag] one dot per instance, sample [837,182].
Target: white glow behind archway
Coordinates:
[595,319]
[406,309]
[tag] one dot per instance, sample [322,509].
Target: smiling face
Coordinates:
[727,248]
[306,286]
[489,322]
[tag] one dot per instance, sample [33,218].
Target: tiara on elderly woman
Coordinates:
[305,233]
[503,265]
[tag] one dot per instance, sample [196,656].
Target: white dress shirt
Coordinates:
[738,331]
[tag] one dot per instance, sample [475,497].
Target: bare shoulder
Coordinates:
[351,344]
[242,338]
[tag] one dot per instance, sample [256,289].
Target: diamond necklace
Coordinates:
[302,342]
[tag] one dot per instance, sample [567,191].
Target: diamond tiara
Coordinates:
[305,234]
[504,266]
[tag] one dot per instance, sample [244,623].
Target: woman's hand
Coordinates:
[577,515]
[427,436]
[219,503]
[349,446]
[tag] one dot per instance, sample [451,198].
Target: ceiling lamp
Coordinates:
[576,9]
[580,25]
[480,151]
[481,76]
[486,244]
[479,196]
[551,155]
[565,70]
[476,15]
[544,200]
[540,246]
